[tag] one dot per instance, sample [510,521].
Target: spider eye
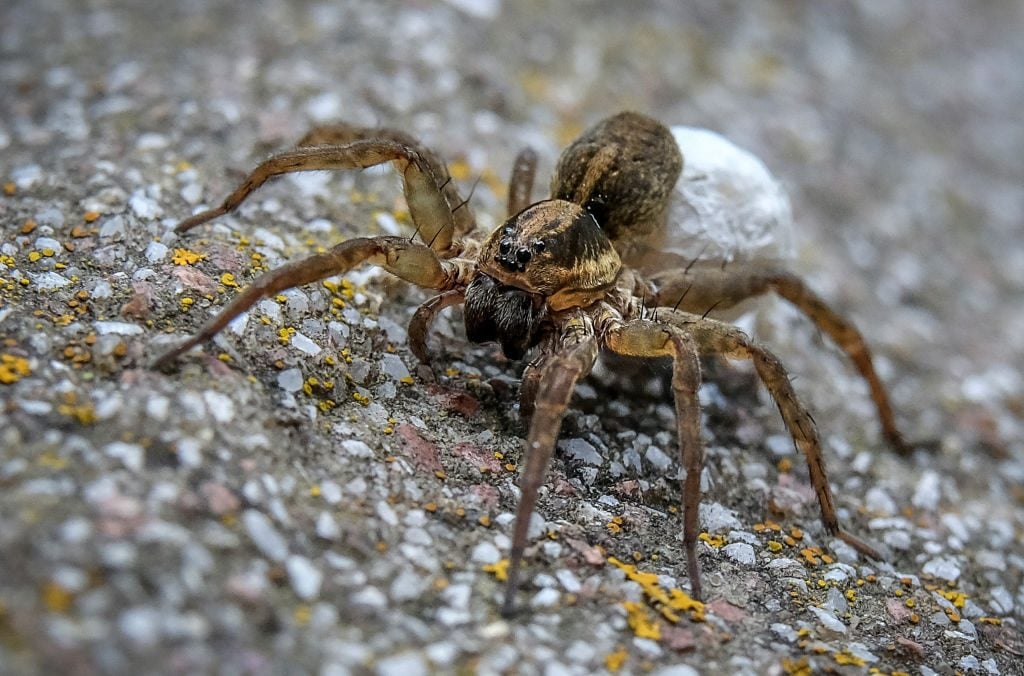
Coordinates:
[539,245]
[523,255]
[504,247]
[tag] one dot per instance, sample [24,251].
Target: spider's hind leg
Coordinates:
[698,288]
[641,338]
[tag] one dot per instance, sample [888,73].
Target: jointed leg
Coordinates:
[420,323]
[343,134]
[650,339]
[557,383]
[412,262]
[428,206]
[702,288]
[713,337]
[520,186]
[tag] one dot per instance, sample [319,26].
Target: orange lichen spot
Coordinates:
[484,521]
[302,614]
[670,602]
[90,216]
[796,533]
[844,658]
[10,188]
[13,368]
[990,620]
[56,598]
[811,555]
[716,541]
[440,474]
[956,597]
[28,226]
[914,618]
[499,569]
[186,257]
[827,559]
[510,466]
[459,170]
[228,279]
[614,660]
[643,624]
[800,667]
[785,465]
[430,507]
[615,525]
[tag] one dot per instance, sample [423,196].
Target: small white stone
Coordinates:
[304,576]
[327,527]
[828,620]
[48,281]
[140,625]
[927,493]
[835,601]
[304,344]
[485,553]
[192,193]
[132,455]
[330,492]
[740,552]
[406,586]
[714,517]
[156,252]
[117,328]
[393,367]
[266,538]
[290,380]
[144,207]
[581,450]
[220,405]
[371,597]
[43,243]
[386,513]
[569,581]
[402,664]
[545,598]
[945,568]
[356,448]
[784,631]
[676,670]
[657,458]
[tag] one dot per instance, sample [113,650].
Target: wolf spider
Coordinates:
[556,276]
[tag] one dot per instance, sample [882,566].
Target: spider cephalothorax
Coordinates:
[552,279]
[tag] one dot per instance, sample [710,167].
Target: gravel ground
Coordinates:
[303,497]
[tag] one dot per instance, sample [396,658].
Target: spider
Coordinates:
[556,279]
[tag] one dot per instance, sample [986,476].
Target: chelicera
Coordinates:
[557,280]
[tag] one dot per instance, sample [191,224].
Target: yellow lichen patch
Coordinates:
[614,660]
[361,398]
[845,658]
[774,546]
[640,620]
[669,603]
[716,541]
[10,188]
[785,465]
[56,598]
[33,256]
[228,279]
[284,334]
[499,569]
[957,598]
[302,614]
[990,620]
[800,667]
[13,368]
[186,257]
[615,525]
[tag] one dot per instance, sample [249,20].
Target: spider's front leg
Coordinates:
[428,204]
[697,289]
[641,338]
[415,263]
[573,360]
[718,338]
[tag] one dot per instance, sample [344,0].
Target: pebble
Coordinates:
[394,368]
[784,631]
[327,527]
[156,252]
[715,517]
[304,344]
[144,207]
[580,450]
[48,281]
[545,598]
[330,492]
[676,670]
[266,538]
[290,380]
[386,513]
[485,553]
[140,625]
[740,552]
[569,581]
[927,493]
[945,568]
[113,228]
[835,601]
[657,458]
[132,455]
[402,664]
[356,448]
[828,620]
[304,576]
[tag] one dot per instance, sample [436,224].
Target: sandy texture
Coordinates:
[302,497]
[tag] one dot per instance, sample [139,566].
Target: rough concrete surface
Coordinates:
[300,496]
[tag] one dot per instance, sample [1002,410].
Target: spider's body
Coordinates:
[552,279]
